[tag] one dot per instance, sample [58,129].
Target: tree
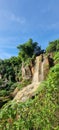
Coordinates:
[28,49]
[9,68]
[53,46]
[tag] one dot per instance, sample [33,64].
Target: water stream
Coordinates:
[36,73]
[38,77]
[42,71]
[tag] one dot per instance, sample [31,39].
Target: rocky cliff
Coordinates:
[42,63]
[40,72]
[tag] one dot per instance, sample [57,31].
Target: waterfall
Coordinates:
[36,73]
[42,71]
[38,77]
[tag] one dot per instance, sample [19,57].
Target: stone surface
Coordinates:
[26,72]
[40,72]
[0,76]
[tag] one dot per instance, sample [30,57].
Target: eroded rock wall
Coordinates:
[41,66]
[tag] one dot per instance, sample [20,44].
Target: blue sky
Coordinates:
[24,19]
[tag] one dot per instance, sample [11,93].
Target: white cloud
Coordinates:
[17,19]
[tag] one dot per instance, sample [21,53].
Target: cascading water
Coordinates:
[42,70]
[38,77]
[36,73]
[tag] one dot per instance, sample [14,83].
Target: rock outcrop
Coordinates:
[28,91]
[26,72]
[44,63]
[40,72]
[0,76]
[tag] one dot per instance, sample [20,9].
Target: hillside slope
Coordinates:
[40,113]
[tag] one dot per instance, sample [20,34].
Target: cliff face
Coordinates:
[41,67]
[40,72]
[0,76]
[28,91]
[26,72]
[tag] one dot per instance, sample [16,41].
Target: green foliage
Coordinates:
[53,46]
[3,93]
[1,82]
[5,89]
[9,68]
[40,113]
[56,57]
[20,85]
[27,49]
[24,83]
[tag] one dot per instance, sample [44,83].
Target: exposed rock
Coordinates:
[31,67]
[51,61]
[40,72]
[13,94]
[0,76]
[23,71]
[26,92]
[42,63]
[29,90]
[45,67]
[26,72]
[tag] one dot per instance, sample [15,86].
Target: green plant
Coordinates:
[56,57]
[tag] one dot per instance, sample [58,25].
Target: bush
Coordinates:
[53,46]
[3,93]
[1,82]
[56,58]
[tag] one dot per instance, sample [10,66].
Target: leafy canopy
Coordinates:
[28,49]
[53,46]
